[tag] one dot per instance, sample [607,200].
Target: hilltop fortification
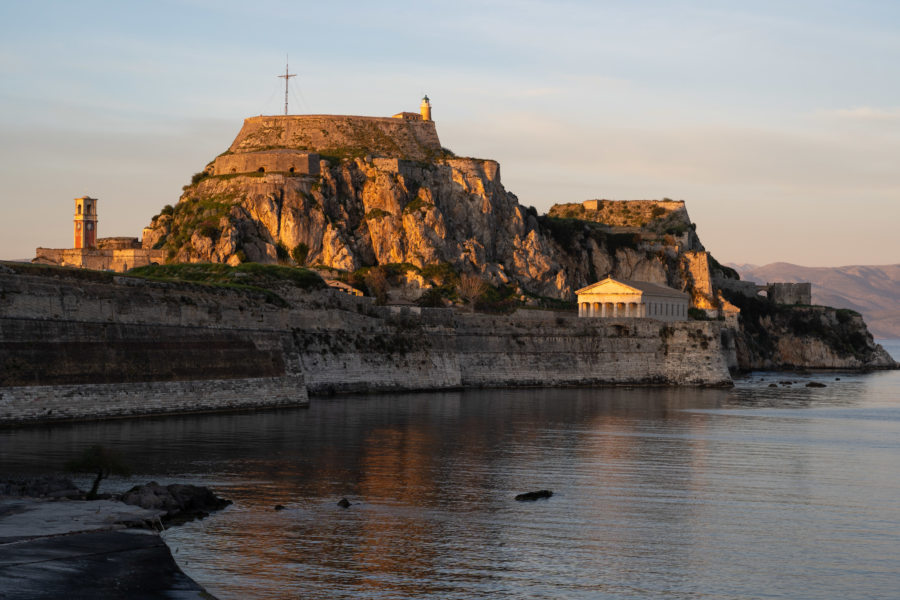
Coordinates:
[295,143]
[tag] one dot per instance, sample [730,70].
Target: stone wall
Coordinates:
[790,293]
[287,161]
[337,134]
[99,260]
[118,243]
[123,331]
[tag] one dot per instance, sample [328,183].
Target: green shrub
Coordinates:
[431,298]
[415,205]
[281,251]
[377,214]
[209,230]
[698,314]
[299,253]
[167,210]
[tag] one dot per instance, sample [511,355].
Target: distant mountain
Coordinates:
[873,290]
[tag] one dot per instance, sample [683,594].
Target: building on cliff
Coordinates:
[91,252]
[295,144]
[637,299]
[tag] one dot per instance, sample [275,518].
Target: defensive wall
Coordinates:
[779,292]
[340,135]
[107,258]
[77,348]
[267,161]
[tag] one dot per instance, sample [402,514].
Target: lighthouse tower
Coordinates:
[85,222]
[425,109]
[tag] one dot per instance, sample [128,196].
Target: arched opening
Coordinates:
[291,170]
[261,170]
[79,209]
[233,170]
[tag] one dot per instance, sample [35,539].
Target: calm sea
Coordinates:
[755,492]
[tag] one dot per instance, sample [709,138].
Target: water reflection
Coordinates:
[657,492]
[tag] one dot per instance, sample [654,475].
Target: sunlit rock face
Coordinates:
[407,200]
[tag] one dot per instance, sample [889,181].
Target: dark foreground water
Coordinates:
[756,492]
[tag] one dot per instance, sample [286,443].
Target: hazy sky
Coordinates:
[778,122]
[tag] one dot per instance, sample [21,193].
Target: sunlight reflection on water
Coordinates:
[782,491]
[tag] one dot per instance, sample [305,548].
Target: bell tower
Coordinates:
[85,222]
[425,109]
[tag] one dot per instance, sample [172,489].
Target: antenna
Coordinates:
[287,76]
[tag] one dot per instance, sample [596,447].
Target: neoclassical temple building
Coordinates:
[634,299]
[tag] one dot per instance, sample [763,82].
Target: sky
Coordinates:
[777,122]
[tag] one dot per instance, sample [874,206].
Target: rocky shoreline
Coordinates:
[55,544]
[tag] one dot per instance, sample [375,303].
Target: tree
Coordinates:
[101,461]
[376,281]
[470,288]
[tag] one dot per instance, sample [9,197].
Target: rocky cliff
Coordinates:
[871,290]
[354,211]
[778,337]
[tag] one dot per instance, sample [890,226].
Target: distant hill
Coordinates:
[873,290]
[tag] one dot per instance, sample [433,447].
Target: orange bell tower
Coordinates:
[85,222]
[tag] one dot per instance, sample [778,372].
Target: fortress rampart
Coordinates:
[101,259]
[82,346]
[340,135]
[267,161]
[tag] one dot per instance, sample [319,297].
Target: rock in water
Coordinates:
[344,503]
[181,502]
[815,384]
[531,496]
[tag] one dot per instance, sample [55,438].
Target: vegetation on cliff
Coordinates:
[775,336]
[252,277]
[359,213]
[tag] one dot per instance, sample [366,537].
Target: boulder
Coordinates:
[180,501]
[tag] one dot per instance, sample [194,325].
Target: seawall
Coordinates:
[84,345]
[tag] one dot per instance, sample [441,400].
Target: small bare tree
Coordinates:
[101,462]
[470,289]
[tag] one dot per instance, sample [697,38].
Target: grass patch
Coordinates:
[249,277]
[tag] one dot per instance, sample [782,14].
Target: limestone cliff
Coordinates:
[348,212]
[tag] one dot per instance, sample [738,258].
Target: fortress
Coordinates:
[295,143]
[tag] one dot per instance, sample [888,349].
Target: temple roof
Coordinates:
[628,286]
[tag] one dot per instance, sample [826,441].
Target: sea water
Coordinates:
[769,490]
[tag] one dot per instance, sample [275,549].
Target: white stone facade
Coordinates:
[610,298]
